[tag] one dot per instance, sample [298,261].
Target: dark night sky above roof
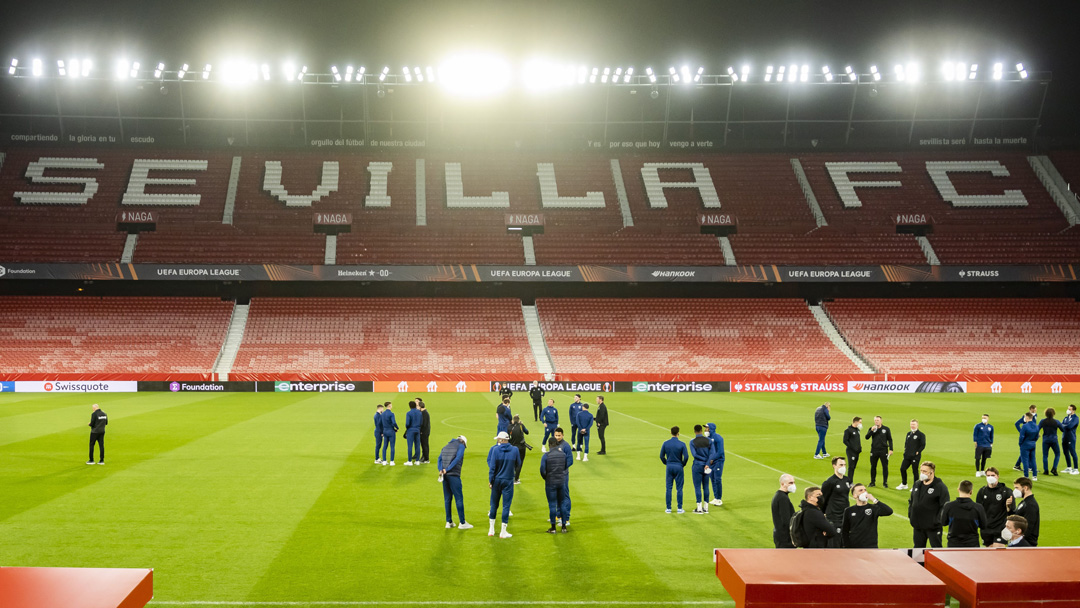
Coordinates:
[717,33]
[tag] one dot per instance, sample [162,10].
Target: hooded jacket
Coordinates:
[717,446]
[503,459]
[818,529]
[966,519]
[389,423]
[926,503]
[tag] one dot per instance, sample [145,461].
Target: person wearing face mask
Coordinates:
[1033,412]
[992,498]
[1029,435]
[674,456]
[1068,440]
[860,520]
[984,443]
[1013,533]
[1023,503]
[821,424]
[914,444]
[928,497]
[834,500]
[965,517]
[853,445]
[717,464]
[782,512]
[816,527]
[881,448]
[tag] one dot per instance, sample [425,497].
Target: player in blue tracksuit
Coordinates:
[983,436]
[821,424]
[503,460]
[378,433]
[575,408]
[1029,435]
[717,464]
[503,416]
[389,432]
[702,451]
[1050,427]
[674,455]
[564,514]
[414,418]
[1068,440]
[1019,423]
[450,460]
[584,422]
[550,418]
[554,467]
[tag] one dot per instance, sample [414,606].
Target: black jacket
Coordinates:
[851,440]
[880,440]
[505,392]
[834,498]
[1029,510]
[992,501]
[818,529]
[425,423]
[782,512]
[98,420]
[926,502]
[914,444]
[517,434]
[966,519]
[601,417]
[860,525]
[537,393]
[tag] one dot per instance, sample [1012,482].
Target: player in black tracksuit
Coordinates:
[537,393]
[819,530]
[1028,509]
[834,501]
[992,499]
[881,447]
[861,520]
[98,420]
[425,431]
[782,512]
[853,445]
[965,518]
[505,393]
[924,508]
[914,444]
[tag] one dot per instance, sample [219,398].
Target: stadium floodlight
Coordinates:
[134,69]
[851,75]
[769,73]
[475,74]
[628,75]
[828,74]
[336,73]
[700,71]
[13,67]
[875,73]
[159,69]
[793,73]
[206,71]
[265,69]
[973,72]
[60,67]
[1023,72]
[349,70]
[36,69]
[430,73]
[780,73]
[418,74]
[593,74]
[74,68]
[745,73]
[898,69]
[183,72]
[911,72]
[731,74]
[604,77]
[540,75]
[997,71]
[300,76]
[948,70]
[383,73]
[407,74]
[804,74]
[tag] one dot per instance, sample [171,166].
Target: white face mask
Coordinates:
[1017,494]
[791,489]
[923,477]
[842,471]
[859,426]
[991,481]
[985,420]
[864,497]
[1006,535]
[706,433]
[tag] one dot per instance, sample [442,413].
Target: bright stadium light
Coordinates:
[134,69]
[539,75]
[997,71]
[948,70]
[700,72]
[793,73]
[769,73]
[265,69]
[745,73]
[1023,72]
[183,72]
[628,75]
[13,67]
[408,75]
[731,74]
[475,75]
[851,75]
[804,74]
[430,73]
[159,69]
[334,71]
[36,67]
[604,77]
[418,74]
[349,70]
[875,73]
[912,72]
[973,72]
[827,73]
[592,76]
[685,73]
[60,67]
[780,73]
[673,74]
[300,76]
[206,71]
[383,73]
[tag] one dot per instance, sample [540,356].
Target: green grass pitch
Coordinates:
[274,498]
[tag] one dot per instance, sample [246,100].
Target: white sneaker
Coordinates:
[1034,479]
[517,483]
[449,525]
[705,507]
[717,502]
[543,449]
[680,511]
[505,534]
[384,463]
[578,454]
[408,463]
[465,526]
[901,487]
[391,463]
[90,462]
[978,473]
[101,463]
[667,510]
[1074,472]
[586,459]
[510,514]
[377,461]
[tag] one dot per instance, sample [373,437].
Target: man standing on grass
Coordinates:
[450,460]
[425,431]
[503,416]
[881,448]
[378,432]
[563,512]
[1029,436]
[993,498]
[585,421]
[834,498]
[98,421]
[553,468]
[413,420]
[782,512]
[914,444]
[389,431]
[550,418]
[1034,412]
[503,460]
[717,464]
[674,456]
[701,450]
[517,439]
[575,408]
[1068,440]
[537,393]
[853,445]
[983,436]
[817,529]
[928,498]
[505,393]
[861,520]
[1023,503]
[821,423]
[965,517]
[601,423]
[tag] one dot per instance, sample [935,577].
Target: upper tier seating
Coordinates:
[991,336]
[114,335]
[384,336]
[686,336]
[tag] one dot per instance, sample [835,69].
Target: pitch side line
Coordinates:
[450,603]
[750,460]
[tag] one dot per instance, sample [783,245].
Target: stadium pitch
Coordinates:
[274,499]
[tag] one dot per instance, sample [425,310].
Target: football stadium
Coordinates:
[597,304]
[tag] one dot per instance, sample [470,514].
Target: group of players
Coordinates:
[996,514]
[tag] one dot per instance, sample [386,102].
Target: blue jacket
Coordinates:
[1068,428]
[717,445]
[453,467]
[575,408]
[984,435]
[1020,422]
[378,423]
[389,423]
[1049,428]
[550,417]
[503,460]
[413,420]
[559,473]
[1029,434]
[584,420]
[822,417]
[701,450]
[505,417]
[673,453]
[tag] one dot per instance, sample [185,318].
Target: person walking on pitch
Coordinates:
[503,460]
[450,460]
[536,393]
[674,456]
[821,424]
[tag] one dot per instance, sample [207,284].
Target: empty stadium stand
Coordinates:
[115,335]
[310,337]
[624,337]
[824,248]
[992,336]
[630,247]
